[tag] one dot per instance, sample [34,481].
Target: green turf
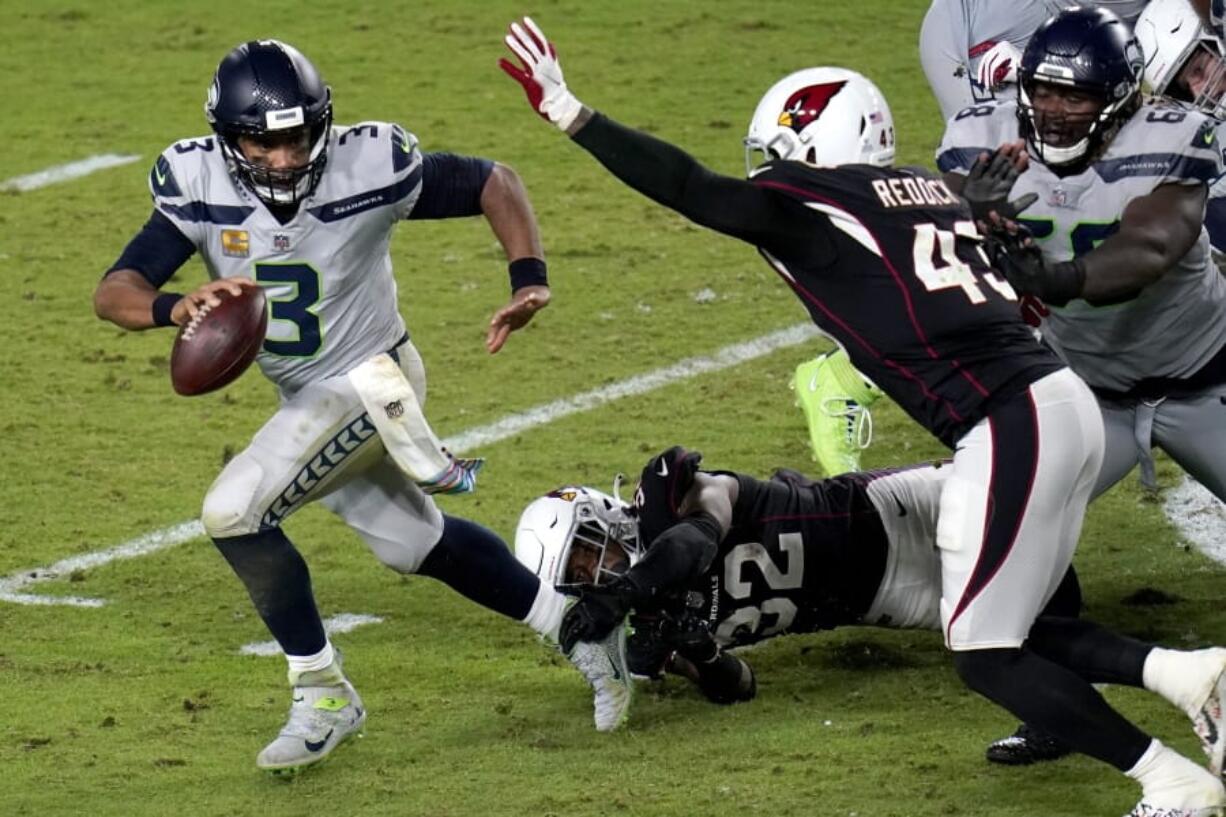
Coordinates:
[144,707]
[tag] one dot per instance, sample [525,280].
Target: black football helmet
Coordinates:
[268,90]
[1090,50]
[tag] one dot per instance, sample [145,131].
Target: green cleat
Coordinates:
[835,399]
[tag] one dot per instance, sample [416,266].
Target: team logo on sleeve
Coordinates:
[805,106]
[162,179]
[235,243]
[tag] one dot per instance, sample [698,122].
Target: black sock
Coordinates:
[1090,650]
[477,564]
[1054,700]
[279,583]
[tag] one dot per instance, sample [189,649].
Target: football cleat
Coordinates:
[1208,720]
[321,718]
[1144,809]
[1025,746]
[603,664]
[835,399]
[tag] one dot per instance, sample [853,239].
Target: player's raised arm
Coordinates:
[655,168]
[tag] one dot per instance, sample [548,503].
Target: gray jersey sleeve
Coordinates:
[981,127]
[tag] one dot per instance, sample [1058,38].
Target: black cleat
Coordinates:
[1025,746]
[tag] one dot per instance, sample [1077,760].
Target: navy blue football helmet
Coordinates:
[1091,51]
[268,91]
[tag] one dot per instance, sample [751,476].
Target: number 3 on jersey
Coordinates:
[938,266]
[293,292]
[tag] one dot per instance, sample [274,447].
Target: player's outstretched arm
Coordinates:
[653,167]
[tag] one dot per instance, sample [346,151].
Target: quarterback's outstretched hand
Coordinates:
[998,66]
[540,74]
[991,179]
[1013,252]
[525,302]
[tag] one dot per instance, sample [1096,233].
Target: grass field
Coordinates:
[144,706]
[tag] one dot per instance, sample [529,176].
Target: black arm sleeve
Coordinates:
[679,554]
[670,176]
[451,186]
[156,252]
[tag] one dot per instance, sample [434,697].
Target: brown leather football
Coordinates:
[218,345]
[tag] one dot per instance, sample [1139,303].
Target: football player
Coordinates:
[888,262]
[1131,298]
[970,48]
[1184,63]
[792,555]
[279,196]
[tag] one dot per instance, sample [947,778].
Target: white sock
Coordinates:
[1185,678]
[1171,781]
[299,664]
[545,617]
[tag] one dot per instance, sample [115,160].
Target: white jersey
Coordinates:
[327,273]
[957,33]
[1173,326]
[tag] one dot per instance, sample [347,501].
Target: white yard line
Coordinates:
[62,173]
[339,623]
[11,586]
[1199,516]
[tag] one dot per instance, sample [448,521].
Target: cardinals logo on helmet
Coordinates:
[805,106]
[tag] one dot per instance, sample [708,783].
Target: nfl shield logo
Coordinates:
[1059,198]
[280,242]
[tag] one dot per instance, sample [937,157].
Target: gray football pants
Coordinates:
[1192,430]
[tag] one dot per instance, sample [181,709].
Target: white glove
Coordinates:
[541,75]
[998,66]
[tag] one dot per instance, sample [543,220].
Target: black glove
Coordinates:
[723,678]
[1014,254]
[988,184]
[595,614]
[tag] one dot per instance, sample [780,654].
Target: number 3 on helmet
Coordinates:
[823,116]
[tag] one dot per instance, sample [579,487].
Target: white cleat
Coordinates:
[1144,809]
[603,664]
[1208,720]
[321,718]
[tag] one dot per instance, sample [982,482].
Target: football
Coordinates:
[218,345]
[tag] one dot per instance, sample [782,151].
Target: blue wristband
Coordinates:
[162,306]
[527,272]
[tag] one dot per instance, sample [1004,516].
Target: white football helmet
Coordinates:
[1172,40]
[577,535]
[823,116]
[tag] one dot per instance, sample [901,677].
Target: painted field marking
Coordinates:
[13,585]
[62,173]
[333,625]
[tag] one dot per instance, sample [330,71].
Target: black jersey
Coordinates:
[799,557]
[887,261]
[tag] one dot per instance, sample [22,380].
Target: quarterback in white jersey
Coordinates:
[279,197]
